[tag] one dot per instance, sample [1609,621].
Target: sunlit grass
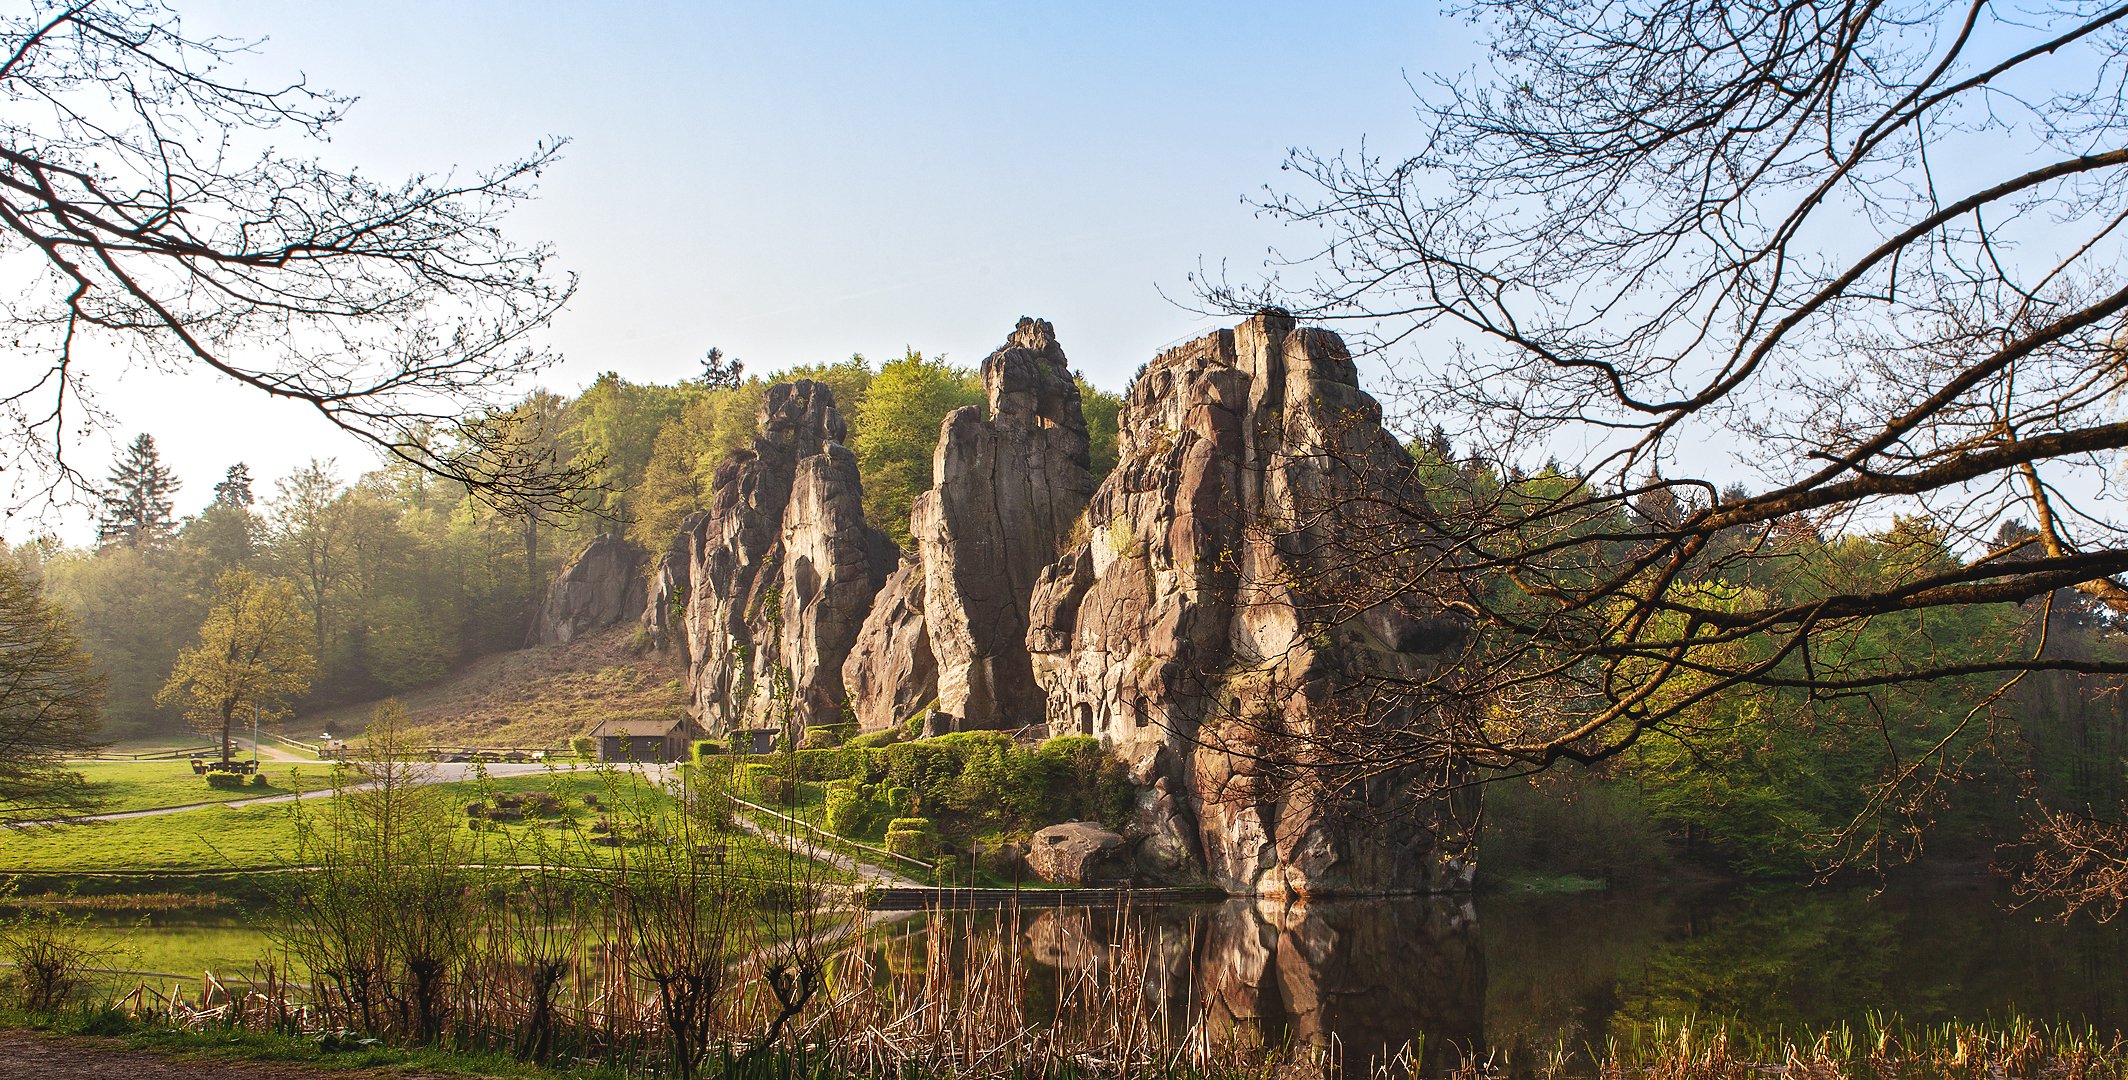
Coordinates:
[149,785]
[224,838]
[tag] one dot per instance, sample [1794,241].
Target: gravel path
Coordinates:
[51,1057]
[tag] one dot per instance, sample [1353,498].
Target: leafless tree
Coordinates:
[147,212]
[1865,252]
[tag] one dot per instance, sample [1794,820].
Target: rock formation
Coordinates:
[1078,853]
[602,586]
[1006,490]
[1223,612]
[1214,622]
[781,570]
[666,607]
[890,675]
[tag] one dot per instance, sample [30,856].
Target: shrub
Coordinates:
[875,739]
[844,811]
[911,837]
[839,763]
[258,780]
[709,748]
[826,736]
[50,954]
[761,780]
[585,746]
[226,781]
[947,870]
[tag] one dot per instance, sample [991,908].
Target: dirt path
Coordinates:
[51,1057]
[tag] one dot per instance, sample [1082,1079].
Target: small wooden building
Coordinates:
[646,740]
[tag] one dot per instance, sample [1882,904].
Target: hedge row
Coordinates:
[971,776]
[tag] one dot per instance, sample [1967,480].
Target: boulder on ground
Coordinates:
[1079,853]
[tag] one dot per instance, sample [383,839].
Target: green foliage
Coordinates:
[914,838]
[843,808]
[49,699]
[826,736]
[1102,410]
[613,425]
[584,746]
[707,748]
[252,658]
[895,432]
[764,782]
[1570,825]
[226,781]
[967,782]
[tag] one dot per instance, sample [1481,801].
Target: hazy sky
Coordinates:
[796,182]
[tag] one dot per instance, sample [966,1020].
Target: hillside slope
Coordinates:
[537,697]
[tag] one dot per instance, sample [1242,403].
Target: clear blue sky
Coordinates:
[796,182]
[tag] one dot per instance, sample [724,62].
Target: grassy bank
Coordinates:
[251,838]
[149,785]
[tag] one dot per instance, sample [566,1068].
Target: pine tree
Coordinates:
[50,704]
[235,488]
[137,510]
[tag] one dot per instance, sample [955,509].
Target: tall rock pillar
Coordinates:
[781,570]
[1006,489]
[1235,620]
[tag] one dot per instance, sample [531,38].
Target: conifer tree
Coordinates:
[137,510]
[50,704]
[235,488]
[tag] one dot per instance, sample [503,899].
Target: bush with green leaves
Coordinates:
[585,747]
[709,748]
[826,736]
[225,781]
[912,837]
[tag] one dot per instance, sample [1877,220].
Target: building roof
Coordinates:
[639,727]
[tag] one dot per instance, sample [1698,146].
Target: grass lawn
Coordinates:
[147,785]
[263,837]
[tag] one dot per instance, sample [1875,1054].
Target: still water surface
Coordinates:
[1521,974]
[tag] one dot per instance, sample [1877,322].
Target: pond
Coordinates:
[1523,975]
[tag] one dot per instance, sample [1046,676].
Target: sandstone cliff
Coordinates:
[781,570]
[1214,623]
[602,586]
[667,592]
[1006,489]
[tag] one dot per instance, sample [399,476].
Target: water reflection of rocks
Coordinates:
[1358,979]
